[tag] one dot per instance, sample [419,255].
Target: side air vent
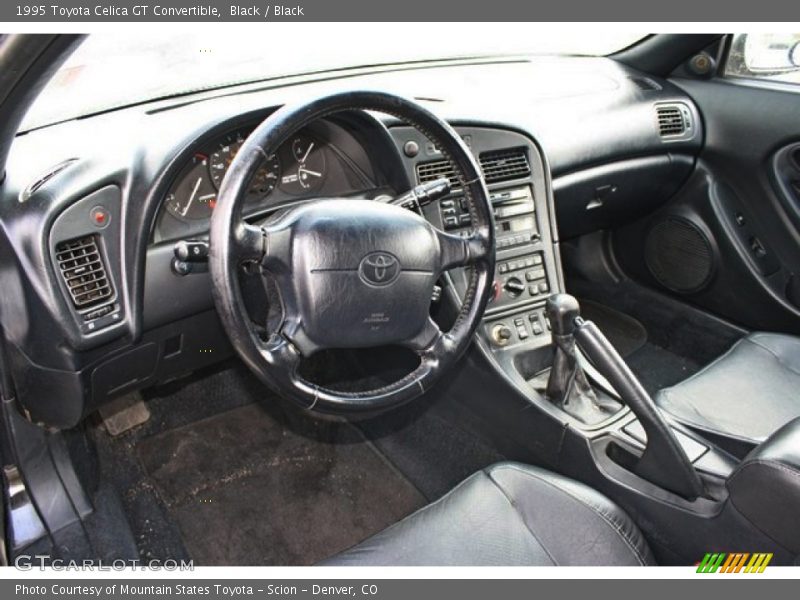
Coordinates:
[431,171]
[646,84]
[501,165]
[81,265]
[674,121]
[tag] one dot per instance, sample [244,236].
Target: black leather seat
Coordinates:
[746,394]
[509,514]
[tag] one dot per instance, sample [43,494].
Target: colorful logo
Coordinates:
[734,562]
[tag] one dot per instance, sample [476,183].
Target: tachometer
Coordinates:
[194,197]
[265,178]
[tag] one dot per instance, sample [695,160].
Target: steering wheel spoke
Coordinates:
[281,354]
[249,242]
[427,339]
[458,251]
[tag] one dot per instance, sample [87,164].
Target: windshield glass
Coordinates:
[113,70]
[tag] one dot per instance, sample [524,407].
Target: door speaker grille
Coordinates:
[679,255]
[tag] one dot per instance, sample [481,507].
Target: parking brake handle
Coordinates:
[663,462]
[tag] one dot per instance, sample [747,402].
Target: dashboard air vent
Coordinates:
[497,165]
[81,265]
[501,165]
[431,171]
[672,120]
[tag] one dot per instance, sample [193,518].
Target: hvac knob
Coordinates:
[514,286]
[501,334]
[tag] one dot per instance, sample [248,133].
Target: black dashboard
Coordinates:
[92,209]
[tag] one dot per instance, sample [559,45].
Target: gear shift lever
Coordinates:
[663,461]
[567,387]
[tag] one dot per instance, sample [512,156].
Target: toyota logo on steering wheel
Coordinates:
[379,269]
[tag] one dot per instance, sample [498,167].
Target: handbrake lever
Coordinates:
[664,461]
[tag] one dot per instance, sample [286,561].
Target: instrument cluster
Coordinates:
[306,165]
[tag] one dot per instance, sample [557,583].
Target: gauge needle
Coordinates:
[305,156]
[191,198]
[314,173]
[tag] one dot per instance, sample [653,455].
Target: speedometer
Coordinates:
[265,179]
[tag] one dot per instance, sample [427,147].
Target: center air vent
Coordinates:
[674,121]
[501,165]
[497,165]
[81,264]
[431,171]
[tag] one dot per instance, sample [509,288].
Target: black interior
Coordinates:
[134,427]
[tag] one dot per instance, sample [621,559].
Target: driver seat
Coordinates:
[506,515]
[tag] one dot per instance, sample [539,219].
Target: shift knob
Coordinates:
[562,310]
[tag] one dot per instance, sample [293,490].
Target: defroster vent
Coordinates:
[80,262]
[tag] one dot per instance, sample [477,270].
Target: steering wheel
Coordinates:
[350,273]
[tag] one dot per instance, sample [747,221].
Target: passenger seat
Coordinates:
[743,396]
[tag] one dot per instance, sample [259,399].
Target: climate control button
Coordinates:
[514,286]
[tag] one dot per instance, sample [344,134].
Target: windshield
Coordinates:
[113,70]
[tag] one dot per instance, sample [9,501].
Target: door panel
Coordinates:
[743,203]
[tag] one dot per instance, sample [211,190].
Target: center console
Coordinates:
[528,266]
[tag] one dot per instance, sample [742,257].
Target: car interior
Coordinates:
[497,310]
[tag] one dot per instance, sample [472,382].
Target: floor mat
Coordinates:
[655,366]
[625,333]
[658,368]
[246,487]
[671,324]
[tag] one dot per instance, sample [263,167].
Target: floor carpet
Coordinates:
[247,488]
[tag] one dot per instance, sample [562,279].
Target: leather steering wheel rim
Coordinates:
[280,245]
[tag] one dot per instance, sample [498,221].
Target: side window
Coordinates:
[765,56]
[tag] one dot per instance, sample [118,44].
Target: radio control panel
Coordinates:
[521,271]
